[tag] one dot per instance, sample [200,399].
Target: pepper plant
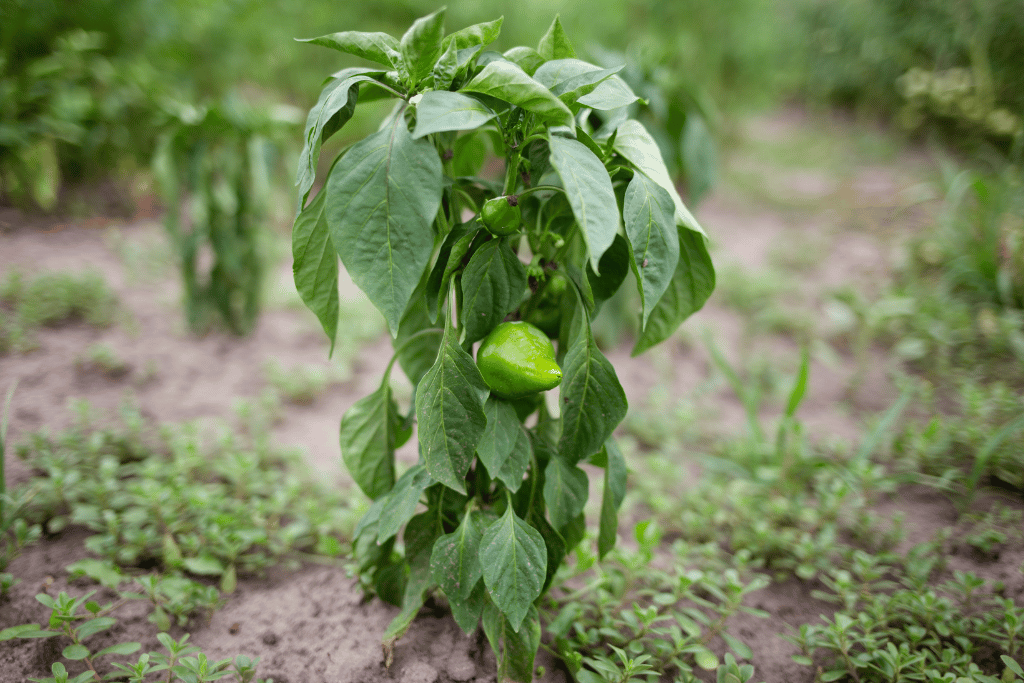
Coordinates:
[451,256]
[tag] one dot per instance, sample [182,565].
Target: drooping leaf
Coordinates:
[514,565]
[467,612]
[440,110]
[589,190]
[634,143]
[609,94]
[565,491]
[517,462]
[500,434]
[571,79]
[375,47]
[449,411]
[593,402]
[611,501]
[416,356]
[492,286]
[315,265]
[528,59]
[691,285]
[614,266]
[421,45]
[515,649]
[508,82]
[648,212]
[369,433]
[381,201]
[400,504]
[477,34]
[331,112]
[455,561]
[554,44]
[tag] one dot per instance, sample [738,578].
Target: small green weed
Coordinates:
[48,299]
[103,359]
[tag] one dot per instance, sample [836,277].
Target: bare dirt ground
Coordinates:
[311,625]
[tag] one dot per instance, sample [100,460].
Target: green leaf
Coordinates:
[449,410]
[331,112]
[648,212]
[447,67]
[614,266]
[381,201]
[1012,665]
[509,83]
[25,631]
[455,560]
[418,355]
[204,565]
[555,44]
[593,402]
[477,34]
[614,492]
[610,94]
[565,491]
[368,436]
[75,652]
[518,461]
[421,45]
[120,649]
[738,646]
[514,563]
[315,265]
[499,436]
[455,246]
[589,191]
[691,285]
[492,286]
[515,649]
[571,79]
[375,47]
[419,539]
[554,543]
[105,573]
[634,143]
[528,59]
[467,612]
[440,110]
[88,628]
[700,157]
[402,500]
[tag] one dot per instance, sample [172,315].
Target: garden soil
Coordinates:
[312,624]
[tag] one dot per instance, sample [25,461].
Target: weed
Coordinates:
[103,359]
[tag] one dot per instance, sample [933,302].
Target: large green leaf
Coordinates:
[381,200]
[525,57]
[467,612]
[376,47]
[492,286]
[589,190]
[571,79]
[401,502]
[614,492]
[370,430]
[508,82]
[593,402]
[477,34]
[440,110]
[445,69]
[454,248]
[565,491]
[648,212]
[416,356]
[691,285]
[455,561]
[315,265]
[421,45]
[634,143]
[609,94]
[515,649]
[449,410]
[614,266]
[517,462]
[514,562]
[554,44]
[332,110]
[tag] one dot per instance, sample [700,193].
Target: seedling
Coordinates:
[404,209]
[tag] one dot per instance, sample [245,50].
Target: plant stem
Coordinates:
[404,344]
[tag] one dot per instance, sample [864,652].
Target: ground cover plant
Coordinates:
[435,247]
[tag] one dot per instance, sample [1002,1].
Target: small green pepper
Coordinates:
[516,360]
[501,215]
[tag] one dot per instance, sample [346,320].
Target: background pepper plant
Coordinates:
[437,248]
